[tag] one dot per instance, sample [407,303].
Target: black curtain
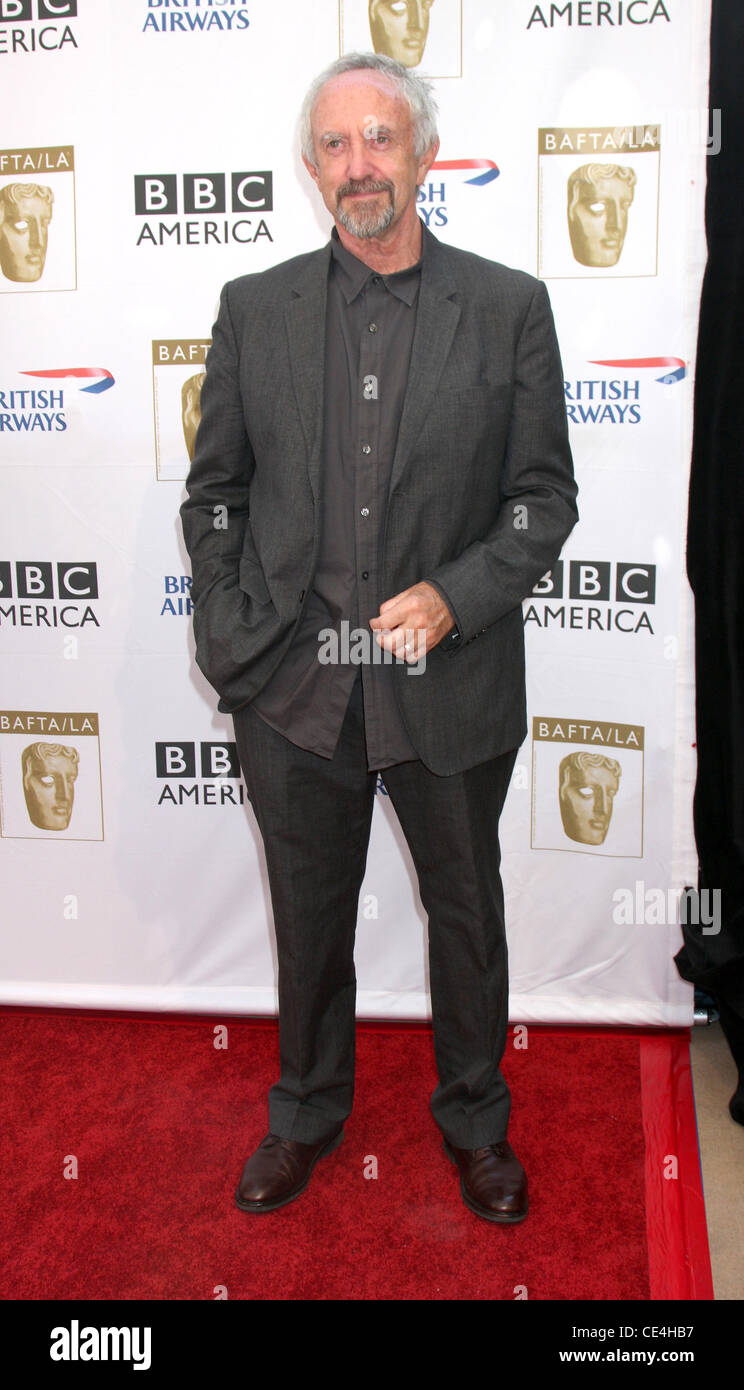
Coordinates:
[715,538]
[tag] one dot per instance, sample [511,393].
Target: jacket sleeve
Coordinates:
[538,491]
[214,516]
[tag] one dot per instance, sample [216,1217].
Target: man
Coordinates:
[383,443]
[25,214]
[599,197]
[399,29]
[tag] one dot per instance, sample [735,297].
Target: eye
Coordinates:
[47,781]
[586,793]
[596,209]
[20,226]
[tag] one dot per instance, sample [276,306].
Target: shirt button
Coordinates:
[372,327]
[365,511]
[365,574]
[366,448]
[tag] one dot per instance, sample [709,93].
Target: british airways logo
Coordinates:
[616,395]
[31,410]
[98,378]
[431,198]
[675,368]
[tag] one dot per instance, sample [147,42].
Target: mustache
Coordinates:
[363,186]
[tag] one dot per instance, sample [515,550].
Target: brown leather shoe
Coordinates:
[279,1171]
[493,1182]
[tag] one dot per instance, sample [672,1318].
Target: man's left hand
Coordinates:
[412,622]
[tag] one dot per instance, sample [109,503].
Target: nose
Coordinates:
[415,15]
[34,234]
[601,804]
[360,164]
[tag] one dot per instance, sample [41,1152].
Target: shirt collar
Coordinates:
[354,274]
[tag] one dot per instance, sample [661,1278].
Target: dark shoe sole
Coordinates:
[258,1207]
[505,1219]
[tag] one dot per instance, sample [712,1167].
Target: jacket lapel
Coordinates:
[305,318]
[437,317]
[436,320]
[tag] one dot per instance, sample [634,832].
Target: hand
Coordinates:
[412,622]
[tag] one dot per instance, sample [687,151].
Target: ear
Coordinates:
[426,161]
[311,169]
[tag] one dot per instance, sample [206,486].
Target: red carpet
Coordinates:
[160,1122]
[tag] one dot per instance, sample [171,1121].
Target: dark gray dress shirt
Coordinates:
[370,325]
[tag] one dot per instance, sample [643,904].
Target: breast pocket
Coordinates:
[463,418]
[481,393]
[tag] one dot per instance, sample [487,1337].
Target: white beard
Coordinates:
[369,221]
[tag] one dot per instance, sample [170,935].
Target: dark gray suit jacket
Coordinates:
[482,493]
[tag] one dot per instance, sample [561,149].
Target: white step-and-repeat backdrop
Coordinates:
[148,154]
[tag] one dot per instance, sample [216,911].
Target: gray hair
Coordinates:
[415,90]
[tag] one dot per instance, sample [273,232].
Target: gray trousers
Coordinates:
[315,815]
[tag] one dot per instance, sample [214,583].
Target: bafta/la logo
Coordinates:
[37,218]
[50,776]
[598,196]
[413,32]
[587,786]
[178,370]
[29,28]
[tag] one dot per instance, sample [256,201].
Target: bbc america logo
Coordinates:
[603,596]
[46,593]
[31,25]
[22,11]
[592,579]
[203,193]
[201,215]
[204,774]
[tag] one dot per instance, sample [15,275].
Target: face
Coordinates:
[366,169]
[23,238]
[598,221]
[399,29]
[586,803]
[49,786]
